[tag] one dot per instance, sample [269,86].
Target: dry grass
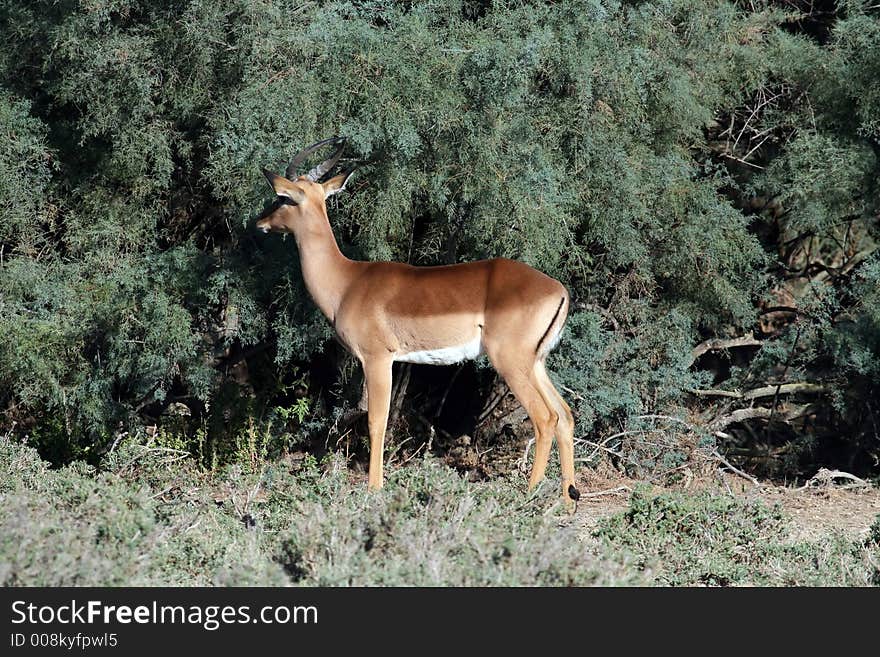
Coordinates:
[152,518]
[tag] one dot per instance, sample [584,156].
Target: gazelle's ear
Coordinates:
[336,184]
[283,187]
[274,181]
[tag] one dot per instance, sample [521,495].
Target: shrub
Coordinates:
[151,518]
[681,166]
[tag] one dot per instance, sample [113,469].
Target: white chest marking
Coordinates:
[444,356]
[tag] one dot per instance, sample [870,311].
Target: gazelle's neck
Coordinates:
[326,271]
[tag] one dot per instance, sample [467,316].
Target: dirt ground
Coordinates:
[817,512]
[820,509]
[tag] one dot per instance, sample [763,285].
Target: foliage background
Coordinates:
[690,170]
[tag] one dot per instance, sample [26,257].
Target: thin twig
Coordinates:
[600,446]
[574,393]
[116,441]
[428,424]
[670,418]
[734,469]
[731,157]
[414,454]
[398,450]
[446,392]
[609,491]
[492,405]
[523,463]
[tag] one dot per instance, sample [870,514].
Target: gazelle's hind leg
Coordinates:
[520,376]
[564,430]
[543,418]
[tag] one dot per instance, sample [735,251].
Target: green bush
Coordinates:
[676,164]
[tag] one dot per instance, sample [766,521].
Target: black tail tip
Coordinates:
[573,493]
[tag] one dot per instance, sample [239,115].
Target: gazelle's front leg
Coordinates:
[377,374]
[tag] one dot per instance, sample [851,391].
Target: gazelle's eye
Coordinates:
[285,200]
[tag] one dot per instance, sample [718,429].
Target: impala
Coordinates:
[390,311]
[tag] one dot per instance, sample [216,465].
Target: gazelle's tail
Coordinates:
[554,330]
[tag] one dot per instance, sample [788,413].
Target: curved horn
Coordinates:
[319,171]
[290,172]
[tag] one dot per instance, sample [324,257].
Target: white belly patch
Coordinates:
[444,356]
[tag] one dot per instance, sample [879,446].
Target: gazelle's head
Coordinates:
[300,199]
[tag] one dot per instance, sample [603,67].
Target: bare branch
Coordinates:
[717,393]
[717,425]
[719,343]
[766,391]
[740,415]
[826,477]
[783,389]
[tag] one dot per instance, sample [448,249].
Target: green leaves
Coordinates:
[24,171]
[821,180]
